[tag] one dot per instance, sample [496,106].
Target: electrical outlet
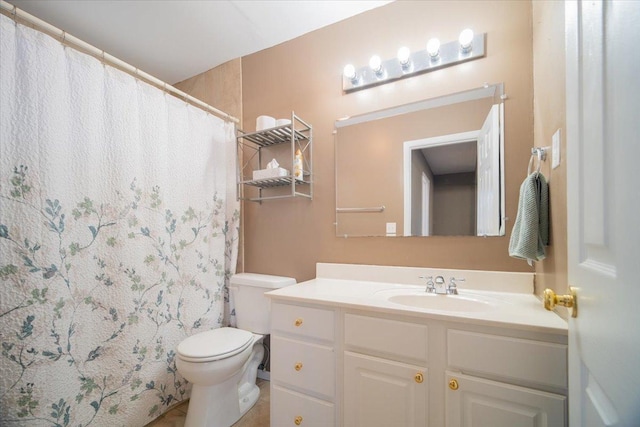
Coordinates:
[555,150]
[391,228]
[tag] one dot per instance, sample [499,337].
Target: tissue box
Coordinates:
[269,173]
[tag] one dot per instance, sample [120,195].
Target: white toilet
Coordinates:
[222,364]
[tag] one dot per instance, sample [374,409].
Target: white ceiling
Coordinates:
[174,40]
[452,158]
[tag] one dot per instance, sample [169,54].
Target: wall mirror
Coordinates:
[430,168]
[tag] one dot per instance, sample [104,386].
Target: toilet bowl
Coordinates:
[222,364]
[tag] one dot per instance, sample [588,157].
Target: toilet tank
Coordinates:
[252,307]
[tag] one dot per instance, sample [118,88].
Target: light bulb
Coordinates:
[433,48]
[465,39]
[375,63]
[349,72]
[403,56]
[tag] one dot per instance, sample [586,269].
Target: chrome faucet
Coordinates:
[431,288]
[435,286]
[439,285]
[452,289]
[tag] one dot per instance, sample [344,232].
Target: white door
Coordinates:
[488,176]
[426,205]
[603,163]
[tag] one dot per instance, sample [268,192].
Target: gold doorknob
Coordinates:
[298,322]
[297,420]
[551,300]
[453,384]
[298,366]
[418,377]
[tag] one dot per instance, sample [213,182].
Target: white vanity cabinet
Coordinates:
[345,355]
[473,401]
[303,366]
[385,372]
[509,382]
[487,379]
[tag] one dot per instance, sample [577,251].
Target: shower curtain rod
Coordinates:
[14,12]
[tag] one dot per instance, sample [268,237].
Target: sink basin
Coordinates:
[421,299]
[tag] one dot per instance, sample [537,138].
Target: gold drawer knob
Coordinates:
[298,322]
[297,420]
[419,377]
[453,384]
[298,366]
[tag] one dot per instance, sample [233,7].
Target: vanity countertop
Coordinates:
[505,309]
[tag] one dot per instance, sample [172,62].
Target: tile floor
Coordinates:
[258,416]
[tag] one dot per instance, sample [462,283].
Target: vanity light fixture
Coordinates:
[404,57]
[468,47]
[375,63]
[349,72]
[433,48]
[466,40]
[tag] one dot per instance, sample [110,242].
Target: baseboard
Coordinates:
[264,375]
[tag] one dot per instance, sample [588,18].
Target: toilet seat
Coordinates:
[215,344]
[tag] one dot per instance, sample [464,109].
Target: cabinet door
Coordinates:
[383,393]
[479,402]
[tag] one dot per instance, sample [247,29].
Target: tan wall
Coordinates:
[549,115]
[288,237]
[454,204]
[220,87]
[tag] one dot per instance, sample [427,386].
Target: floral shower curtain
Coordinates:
[118,233]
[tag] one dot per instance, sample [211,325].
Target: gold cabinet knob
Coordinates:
[419,377]
[298,366]
[298,322]
[551,300]
[297,420]
[453,384]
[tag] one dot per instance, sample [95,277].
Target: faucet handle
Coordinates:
[452,289]
[431,287]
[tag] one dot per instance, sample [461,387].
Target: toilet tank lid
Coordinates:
[261,280]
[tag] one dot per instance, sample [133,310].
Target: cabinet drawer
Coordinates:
[304,366]
[303,321]
[510,358]
[402,340]
[287,406]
